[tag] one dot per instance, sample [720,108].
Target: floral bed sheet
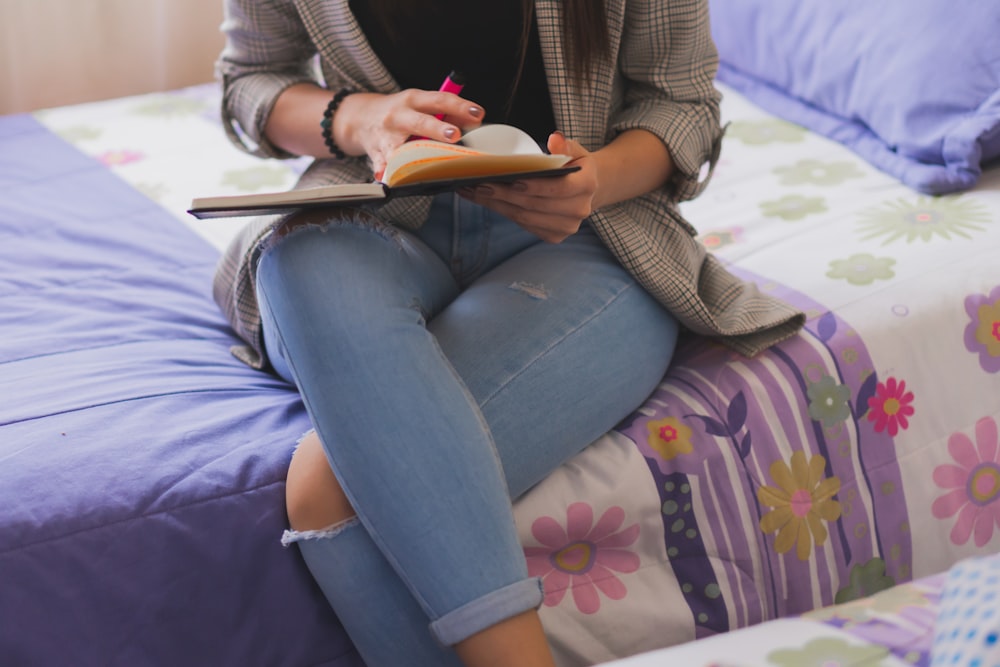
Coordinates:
[944,619]
[861,454]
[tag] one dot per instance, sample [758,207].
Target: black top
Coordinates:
[479,39]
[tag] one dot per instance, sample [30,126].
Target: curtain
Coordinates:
[56,52]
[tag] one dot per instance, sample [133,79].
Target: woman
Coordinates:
[452,351]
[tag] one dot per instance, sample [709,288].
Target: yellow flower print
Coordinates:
[669,437]
[802,501]
[982,333]
[988,332]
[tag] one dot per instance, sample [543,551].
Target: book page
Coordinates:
[472,166]
[501,139]
[484,151]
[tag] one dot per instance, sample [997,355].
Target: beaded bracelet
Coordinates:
[327,122]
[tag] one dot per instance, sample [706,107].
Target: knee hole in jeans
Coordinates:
[314,498]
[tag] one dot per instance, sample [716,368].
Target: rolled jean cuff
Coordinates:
[488,610]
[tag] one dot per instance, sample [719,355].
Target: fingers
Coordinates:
[539,202]
[380,123]
[437,115]
[535,195]
[552,219]
[546,226]
[577,185]
[558,144]
[550,208]
[389,120]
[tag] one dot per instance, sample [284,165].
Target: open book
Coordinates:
[487,154]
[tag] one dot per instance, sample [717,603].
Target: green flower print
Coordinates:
[256,178]
[923,218]
[862,269]
[761,132]
[828,401]
[890,602]
[815,172]
[79,133]
[170,106]
[865,580]
[830,652]
[155,191]
[792,207]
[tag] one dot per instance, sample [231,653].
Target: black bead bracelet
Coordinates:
[327,122]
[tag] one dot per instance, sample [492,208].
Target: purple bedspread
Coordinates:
[131,443]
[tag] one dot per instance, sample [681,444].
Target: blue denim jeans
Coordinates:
[446,371]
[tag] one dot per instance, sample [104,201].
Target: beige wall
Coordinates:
[56,52]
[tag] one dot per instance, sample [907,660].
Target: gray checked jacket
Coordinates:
[658,78]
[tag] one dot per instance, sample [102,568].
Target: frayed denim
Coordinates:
[447,371]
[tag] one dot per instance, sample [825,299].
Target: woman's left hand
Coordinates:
[550,208]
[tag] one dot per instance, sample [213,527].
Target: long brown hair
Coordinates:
[584,32]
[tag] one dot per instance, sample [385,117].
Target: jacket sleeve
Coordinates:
[668,60]
[267,50]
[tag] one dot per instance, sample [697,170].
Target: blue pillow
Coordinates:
[912,86]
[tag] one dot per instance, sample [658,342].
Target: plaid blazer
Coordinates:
[659,78]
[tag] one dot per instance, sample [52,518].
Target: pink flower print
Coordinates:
[890,406]
[974,484]
[719,239]
[584,557]
[117,158]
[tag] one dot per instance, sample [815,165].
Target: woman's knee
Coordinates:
[314,498]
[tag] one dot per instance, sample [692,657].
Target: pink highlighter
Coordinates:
[453,83]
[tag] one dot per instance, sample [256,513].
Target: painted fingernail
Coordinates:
[450,132]
[475,112]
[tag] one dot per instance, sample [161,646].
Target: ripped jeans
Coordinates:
[446,371]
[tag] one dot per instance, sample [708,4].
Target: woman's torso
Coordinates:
[482,40]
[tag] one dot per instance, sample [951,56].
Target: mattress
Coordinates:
[142,466]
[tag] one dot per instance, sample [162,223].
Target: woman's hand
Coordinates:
[550,208]
[634,163]
[375,124]
[367,123]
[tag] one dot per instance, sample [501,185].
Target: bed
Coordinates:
[944,619]
[142,466]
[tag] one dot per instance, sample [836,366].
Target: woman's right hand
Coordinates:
[369,124]
[374,124]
